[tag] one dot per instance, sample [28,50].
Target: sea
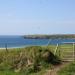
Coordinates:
[20,41]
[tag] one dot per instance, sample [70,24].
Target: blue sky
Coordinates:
[20,17]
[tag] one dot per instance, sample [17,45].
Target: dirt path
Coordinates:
[56,69]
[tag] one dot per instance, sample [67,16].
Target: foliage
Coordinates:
[68,70]
[59,36]
[26,61]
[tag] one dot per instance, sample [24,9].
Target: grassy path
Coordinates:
[66,54]
[55,70]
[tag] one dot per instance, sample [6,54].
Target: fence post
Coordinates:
[59,52]
[56,48]
[73,51]
[6,47]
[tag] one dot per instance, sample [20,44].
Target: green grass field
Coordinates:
[34,60]
[25,61]
[68,70]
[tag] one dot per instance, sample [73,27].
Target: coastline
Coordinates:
[12,47]
[53,36]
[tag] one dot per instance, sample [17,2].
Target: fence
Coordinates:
[66,51]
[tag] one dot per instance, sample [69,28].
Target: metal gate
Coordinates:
[66,51]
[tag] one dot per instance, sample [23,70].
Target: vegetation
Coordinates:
[35,60]
[68,70]
[27,61]
[57,36]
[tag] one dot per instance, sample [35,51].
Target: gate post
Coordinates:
[56,48]
[74,51]
[6,47]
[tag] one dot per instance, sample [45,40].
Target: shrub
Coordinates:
[49,57]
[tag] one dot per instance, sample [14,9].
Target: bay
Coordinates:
[19,41]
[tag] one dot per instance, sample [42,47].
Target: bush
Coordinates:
[49,57]
[28,60]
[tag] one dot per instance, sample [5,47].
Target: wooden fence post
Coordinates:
[74,51]
[56,48]
[6,47]
[59,52]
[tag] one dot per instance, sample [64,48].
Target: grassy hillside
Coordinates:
[57,36]
[27,61]
[34,60]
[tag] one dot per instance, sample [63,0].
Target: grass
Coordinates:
[68,70]
[34,60]
[8,72]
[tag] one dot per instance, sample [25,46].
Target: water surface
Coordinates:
[19,41]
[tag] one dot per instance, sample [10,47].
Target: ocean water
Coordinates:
[19,41]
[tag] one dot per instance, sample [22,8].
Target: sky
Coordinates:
[25,17]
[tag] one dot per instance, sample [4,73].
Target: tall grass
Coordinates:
[26,61]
